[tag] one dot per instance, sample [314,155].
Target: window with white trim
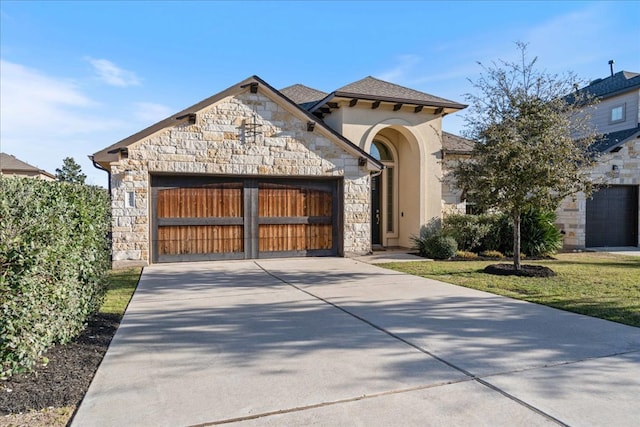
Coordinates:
[617,114]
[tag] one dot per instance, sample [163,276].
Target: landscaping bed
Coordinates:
[64,380]
[50,394]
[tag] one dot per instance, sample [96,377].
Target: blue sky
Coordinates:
[79,76]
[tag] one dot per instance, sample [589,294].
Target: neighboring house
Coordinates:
[257,172]
[454,149]
[610,217]
[10,166]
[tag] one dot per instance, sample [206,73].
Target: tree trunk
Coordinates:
[516,239]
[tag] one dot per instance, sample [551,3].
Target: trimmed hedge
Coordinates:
[54,253]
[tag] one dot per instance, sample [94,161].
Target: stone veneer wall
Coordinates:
[451,203]
[572,214]
[219,144]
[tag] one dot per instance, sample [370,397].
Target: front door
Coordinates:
[376,210]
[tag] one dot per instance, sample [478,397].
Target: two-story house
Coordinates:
[256,172]
[610,217]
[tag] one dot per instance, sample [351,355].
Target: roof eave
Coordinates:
[622,142]
[392,100]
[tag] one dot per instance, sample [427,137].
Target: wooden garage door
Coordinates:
[200,222]
[295,219]
[612,217]
[201,218]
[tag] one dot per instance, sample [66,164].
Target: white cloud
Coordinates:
[151,112]
[404,67]
[45,119]
[113,75]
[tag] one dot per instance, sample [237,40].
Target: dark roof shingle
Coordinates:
[620,82]
[376,88]
[611,140]
[301,94]
[456,144]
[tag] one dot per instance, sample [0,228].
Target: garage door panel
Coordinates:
[278,200]
[214,239]
[612,217]
[203,218]
[217,200]
[295,237]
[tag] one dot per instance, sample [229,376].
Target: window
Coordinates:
[382,152]
[130,199]
[389,199]
[617,114]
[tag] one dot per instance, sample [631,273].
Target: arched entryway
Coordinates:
[398,193]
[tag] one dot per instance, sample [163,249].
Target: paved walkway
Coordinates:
[332,341]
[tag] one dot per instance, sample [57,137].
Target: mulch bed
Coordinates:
[525,270]
[66,378]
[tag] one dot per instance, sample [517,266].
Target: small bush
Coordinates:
[440,247]
[466,255]
[469,231]
[492,254]
[54,253]
[539,234]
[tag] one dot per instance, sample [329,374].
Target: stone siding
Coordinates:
[221,143]
[452,202]
[572,214]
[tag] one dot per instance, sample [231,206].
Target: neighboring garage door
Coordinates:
[202,218]
[612,217]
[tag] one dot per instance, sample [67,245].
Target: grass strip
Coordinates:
[601,285]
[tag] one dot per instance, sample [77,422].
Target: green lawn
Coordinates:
[596,284]
[120,287]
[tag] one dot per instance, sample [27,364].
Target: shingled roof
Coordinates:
[373,88]
[612,140]
[455,144]
[301,94]
[622,81]
[10,164]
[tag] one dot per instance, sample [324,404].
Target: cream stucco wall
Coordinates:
[416,138]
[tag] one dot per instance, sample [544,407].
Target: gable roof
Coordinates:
[620,82]
[9,163]
[109,154]
[456,144]
[612,140]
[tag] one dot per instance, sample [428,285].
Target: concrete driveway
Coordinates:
[333,341]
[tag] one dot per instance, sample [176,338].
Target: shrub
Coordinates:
[433,244]
[440,247]
[539,234]
[466,255]
[494,232]
[54,253]
[500,235]
[469,231]
[492,254]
